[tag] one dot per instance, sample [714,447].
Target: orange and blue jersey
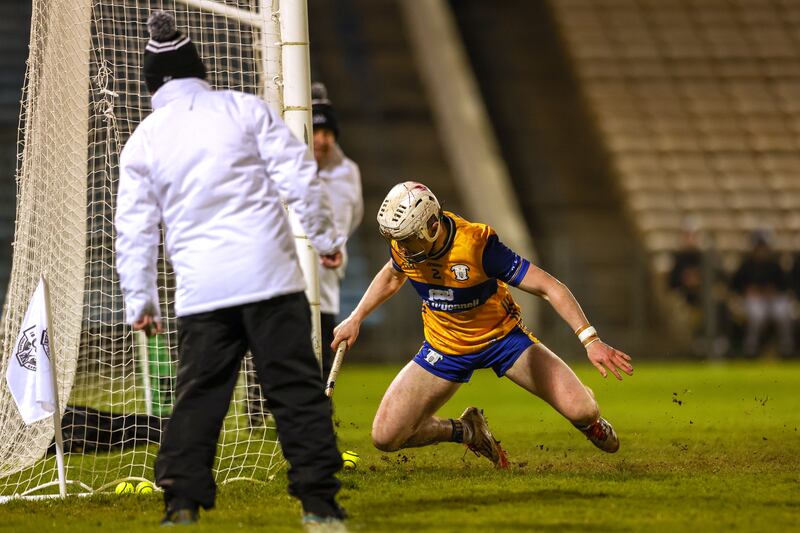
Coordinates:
[466,303]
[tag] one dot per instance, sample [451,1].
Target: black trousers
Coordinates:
[256,408]
[211,347]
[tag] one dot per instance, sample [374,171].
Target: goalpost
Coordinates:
[83,96]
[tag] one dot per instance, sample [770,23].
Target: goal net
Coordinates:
[83,97]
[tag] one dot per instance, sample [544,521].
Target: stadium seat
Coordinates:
[698,103]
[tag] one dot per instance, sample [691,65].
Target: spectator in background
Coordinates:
[686,275]
[794,282]
[794,276]
[342,180]
[687,279]
[762,285]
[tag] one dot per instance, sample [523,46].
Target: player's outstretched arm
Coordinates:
[604,357]
[384,285]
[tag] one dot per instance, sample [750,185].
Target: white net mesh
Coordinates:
[83,97]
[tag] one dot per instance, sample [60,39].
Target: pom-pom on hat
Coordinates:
[169,54]
[322,113]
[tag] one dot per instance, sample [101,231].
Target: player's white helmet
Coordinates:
[409,210]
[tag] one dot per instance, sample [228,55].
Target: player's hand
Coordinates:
[604,356]
[346,331]
[332,260]
[148,324]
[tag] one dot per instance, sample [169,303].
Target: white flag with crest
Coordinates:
[29,372]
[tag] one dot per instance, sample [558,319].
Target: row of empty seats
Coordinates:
[698,103]
[681,29]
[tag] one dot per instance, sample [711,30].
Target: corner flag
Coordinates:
[29,375]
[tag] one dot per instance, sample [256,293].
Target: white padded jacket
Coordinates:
[212,167]
[342,180]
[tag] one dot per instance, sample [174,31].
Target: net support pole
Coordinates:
[297,115]
[59,438]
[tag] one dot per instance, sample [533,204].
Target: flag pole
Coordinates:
[59,439]
[142,349]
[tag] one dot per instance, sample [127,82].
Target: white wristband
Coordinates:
[587,333]
[586,345]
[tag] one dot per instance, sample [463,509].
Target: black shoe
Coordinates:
[180,517]
[179,511]
[323,524]
[323,509]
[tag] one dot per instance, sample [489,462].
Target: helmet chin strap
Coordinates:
[417,257]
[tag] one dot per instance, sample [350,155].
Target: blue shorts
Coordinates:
[499,356]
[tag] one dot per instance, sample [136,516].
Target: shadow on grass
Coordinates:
[530,525]
[485,509]
[481,499]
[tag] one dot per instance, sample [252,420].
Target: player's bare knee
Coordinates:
[385,441]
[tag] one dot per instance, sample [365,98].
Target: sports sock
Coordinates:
[458,430]
[461,432]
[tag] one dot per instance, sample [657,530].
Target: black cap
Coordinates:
[169,54]
[323,116]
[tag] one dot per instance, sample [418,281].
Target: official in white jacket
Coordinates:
[342,180]
[212,168]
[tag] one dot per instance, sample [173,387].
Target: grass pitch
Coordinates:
[704,448]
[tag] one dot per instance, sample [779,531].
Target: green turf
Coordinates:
[704,448]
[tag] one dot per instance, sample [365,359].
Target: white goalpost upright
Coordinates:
[297,114]
[83,97]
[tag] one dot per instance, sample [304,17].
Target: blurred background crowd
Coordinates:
[749,311]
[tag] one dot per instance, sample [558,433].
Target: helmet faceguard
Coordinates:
[409,210]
